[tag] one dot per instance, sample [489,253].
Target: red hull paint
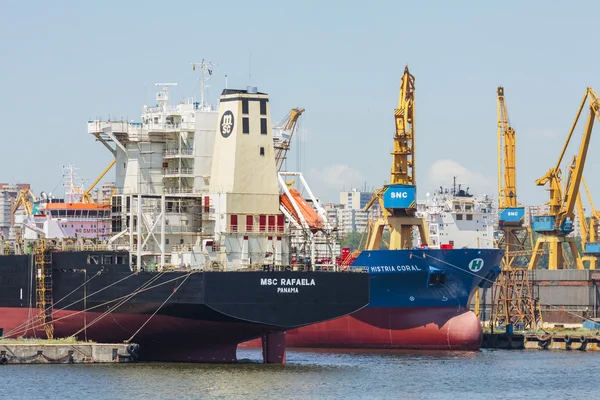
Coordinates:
[427,328]
[163,338]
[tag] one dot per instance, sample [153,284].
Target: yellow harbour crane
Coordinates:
[282,135]
[555,227]
[512,292]
[397,200]
[25,198]
[87,197]
[510,219]
[589,230]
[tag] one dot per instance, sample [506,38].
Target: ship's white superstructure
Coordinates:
[455,217]
[198,187]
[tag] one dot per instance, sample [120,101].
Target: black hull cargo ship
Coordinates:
[187,316]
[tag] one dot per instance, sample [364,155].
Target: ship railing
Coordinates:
[292,268]
[178,152]
[182,248]
[168,127]
[184,190]
[183,229]
[178,171]
[134,248]
[65,246]
[261,229]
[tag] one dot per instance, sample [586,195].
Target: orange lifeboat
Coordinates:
[310,216]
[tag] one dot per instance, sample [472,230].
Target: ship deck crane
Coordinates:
[512,292]
[87,197]
[397,200]
[555,227]
[282,135]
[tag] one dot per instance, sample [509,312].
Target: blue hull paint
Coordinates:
[407,278]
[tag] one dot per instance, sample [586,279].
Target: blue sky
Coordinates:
[67,62]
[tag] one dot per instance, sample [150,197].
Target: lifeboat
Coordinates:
[312,219]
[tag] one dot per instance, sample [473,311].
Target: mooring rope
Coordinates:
[164,302]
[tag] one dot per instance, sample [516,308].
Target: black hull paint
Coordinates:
[208,310]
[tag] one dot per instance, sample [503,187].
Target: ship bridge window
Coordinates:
[246,125]
[55,213]
[93,213]
[70,213]
[93,259]
[62,213]
[263,126]
[107,259]
[244,106]
[263,107]
[121,260]
[459,217]
[469,217]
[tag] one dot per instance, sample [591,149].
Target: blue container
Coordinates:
[512,215]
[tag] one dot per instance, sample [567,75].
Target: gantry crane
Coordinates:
[282,135]
[397,199]
[555,227]
[589,231]
[513,302]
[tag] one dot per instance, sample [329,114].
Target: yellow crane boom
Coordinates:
[284,131]
[403,167]
[555,226]
[87,198]
[507,172]
[25,198]
[397,200]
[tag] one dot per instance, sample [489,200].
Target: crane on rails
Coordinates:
[397,200]
[554,228]
[589,229]
[513,301]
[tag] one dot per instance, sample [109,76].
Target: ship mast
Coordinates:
[73,184]
[204,67]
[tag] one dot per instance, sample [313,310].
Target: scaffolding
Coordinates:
[153,226]
[514,301]
[43,289]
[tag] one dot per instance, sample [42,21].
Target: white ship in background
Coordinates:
[458,219]
[76,216]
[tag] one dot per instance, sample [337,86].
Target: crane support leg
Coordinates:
[374,239]
[401,231]
[556,252]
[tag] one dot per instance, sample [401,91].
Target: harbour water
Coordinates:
[321,374]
